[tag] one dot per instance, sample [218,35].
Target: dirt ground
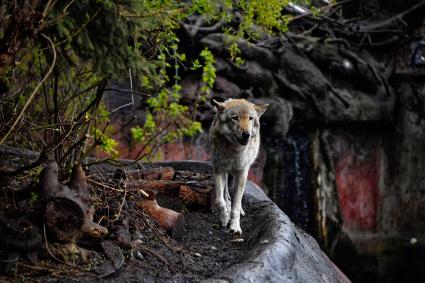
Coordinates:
[204,250]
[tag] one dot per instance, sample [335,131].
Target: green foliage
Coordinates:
[170,121]
[103,113]
[205,7]
[63,114]
[112,35]
[34,198]
[265,14]
[99,40]
[235,53]
[106,143]
[314,11]
[137,133]
[259,16]
[208,71]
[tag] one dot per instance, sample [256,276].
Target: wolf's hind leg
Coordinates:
[218,205]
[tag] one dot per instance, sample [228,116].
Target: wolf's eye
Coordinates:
[235,118]
[251,118]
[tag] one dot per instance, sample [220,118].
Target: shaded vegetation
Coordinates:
[318,68]
[57,57]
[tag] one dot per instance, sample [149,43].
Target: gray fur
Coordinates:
[233,153]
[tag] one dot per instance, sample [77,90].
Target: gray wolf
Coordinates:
[234,141]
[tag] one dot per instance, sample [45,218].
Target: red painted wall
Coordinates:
[357,172]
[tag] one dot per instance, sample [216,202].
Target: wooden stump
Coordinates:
[68,212]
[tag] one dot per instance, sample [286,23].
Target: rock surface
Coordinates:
[277,251]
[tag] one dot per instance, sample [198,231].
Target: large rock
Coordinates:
[278,251]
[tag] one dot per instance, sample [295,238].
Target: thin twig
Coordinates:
[121,206]
[49,6]
[131,91]
[105,186]
[309,13]
[126,90]
[47,246]
[31,97]
[392,19]
[151,252]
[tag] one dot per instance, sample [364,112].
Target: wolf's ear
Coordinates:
[261,109]
[219,105]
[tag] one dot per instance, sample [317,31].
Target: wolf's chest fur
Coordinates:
[227,159]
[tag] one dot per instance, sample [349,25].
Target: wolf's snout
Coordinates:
[245,136]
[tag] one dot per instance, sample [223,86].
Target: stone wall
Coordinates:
[343,140]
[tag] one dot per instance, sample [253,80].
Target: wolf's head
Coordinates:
[239,120]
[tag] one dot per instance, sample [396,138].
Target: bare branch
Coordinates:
[34,92]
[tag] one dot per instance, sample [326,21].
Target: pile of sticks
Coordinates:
[154,181]
[69,212]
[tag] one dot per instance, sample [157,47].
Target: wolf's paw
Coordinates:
[235,228]
[242,212]
[220,209]
[224,219]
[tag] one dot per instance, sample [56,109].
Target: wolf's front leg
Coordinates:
[219,203]
[235,215]
[232,185]
[226,194]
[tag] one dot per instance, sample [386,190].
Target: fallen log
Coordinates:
[68,212]
[160,180]
[170,220]
[163,186]
[160,173]
[189,194]
[193,196]
[152,185]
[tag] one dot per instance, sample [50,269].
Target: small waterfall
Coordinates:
[288,177]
